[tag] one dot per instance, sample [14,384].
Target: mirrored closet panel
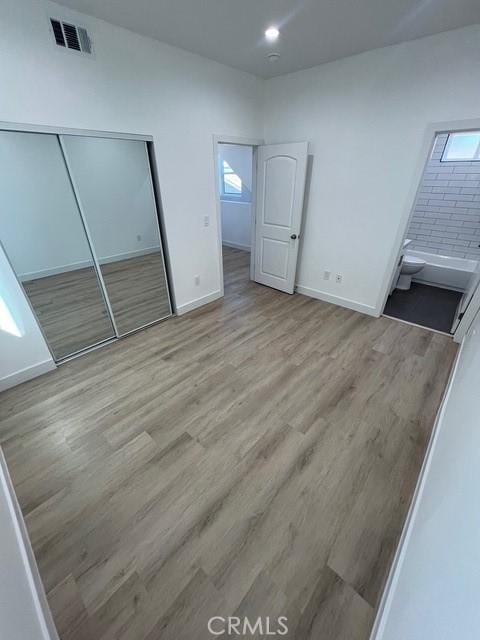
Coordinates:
[112,180]
[79,223]
[42,233]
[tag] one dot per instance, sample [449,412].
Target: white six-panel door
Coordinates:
[281,172]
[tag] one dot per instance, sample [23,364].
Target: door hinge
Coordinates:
[460,315]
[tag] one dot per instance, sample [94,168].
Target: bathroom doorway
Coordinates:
[438,270]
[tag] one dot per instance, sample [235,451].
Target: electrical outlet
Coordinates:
[139,238]
[206,221]
[197,280]
[326,275]
[338,278]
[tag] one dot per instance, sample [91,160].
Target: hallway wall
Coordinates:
[366,118]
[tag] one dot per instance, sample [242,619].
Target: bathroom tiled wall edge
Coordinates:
[446,218]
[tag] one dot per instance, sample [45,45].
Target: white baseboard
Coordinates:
[26,562]
[199,302]
[130,254]
[338,300]
[45,273]
[236,245]
[26,374]
[74,266]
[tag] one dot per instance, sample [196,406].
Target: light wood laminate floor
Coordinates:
[253,458]
[70,309]
[72,312]
[137,290]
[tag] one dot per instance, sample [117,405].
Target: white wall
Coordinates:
[137,85]
[40,228]
[237,216]
[24,356]
[240,158]
[24,612]
[236,224]
[365,118]
[434,592]
[113,183]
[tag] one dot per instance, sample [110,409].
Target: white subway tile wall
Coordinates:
[446,218]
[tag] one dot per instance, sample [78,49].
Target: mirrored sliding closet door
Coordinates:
[43,235]
[78,221]
[113,184]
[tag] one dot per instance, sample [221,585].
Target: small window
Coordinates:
[231,185]
[462,147]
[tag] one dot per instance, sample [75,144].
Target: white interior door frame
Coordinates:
[248,142]
[432,130]
[469,315]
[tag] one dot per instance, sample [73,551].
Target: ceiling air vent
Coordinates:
[71,37]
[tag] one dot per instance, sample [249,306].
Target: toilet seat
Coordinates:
[413,261]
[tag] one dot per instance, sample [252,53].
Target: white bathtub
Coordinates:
[443,271]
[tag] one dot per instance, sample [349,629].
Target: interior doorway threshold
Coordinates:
[420,326]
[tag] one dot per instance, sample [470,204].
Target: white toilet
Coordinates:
[410,266]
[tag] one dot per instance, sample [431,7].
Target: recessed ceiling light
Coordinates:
[271,34]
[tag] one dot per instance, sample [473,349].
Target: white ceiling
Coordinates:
[312,31]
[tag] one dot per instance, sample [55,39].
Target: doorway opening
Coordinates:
[264,232]
[235,193]
[438,270]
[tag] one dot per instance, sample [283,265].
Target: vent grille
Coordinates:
[84,38]
[71,37]
[58,32]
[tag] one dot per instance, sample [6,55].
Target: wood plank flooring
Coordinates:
[137,290]
[253,458]
[71,309]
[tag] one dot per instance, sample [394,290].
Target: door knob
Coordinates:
[293,236]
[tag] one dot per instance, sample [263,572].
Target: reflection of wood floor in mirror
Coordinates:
[70,305]
[255,457]
[70,310]
[137,291]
